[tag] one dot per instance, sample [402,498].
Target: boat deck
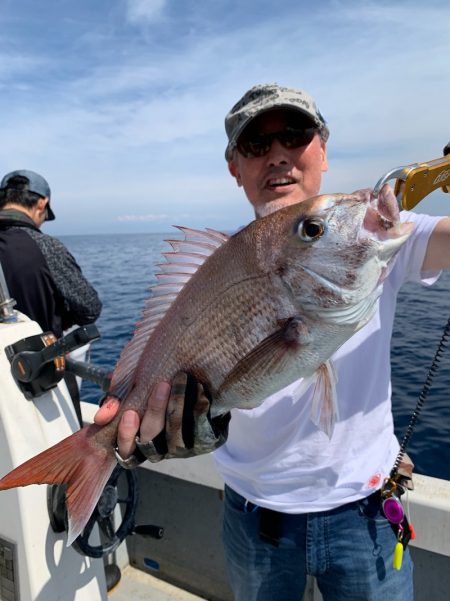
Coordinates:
[137,585]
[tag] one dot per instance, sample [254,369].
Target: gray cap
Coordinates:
[447,149]
[37,184]
[265,97]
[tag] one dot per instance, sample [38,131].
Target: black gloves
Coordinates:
[189,428]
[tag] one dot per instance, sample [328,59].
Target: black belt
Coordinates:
[271,521]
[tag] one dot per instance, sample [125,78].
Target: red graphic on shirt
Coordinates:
[374,480]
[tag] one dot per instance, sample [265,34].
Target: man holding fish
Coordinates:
[322,493]
[288,325]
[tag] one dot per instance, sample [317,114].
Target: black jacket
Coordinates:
[43,277]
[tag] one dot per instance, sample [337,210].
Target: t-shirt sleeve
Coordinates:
[410,259]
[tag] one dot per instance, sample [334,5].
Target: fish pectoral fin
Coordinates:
[270,354]
[324,409]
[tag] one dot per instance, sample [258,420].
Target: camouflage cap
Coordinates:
[265,97]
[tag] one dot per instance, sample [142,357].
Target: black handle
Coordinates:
[27,365]
[149,530]
[89,372]
[79,337]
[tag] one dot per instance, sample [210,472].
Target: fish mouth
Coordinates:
[382,224]
[382,218]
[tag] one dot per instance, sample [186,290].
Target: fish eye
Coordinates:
[309,230]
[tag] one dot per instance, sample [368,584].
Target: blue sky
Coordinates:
[120,103]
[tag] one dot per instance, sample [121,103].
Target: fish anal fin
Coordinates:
[324,409]
[271,353]
[79,463]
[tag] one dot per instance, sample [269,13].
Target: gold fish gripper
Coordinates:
[414,182]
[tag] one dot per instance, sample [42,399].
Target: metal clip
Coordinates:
[414,182]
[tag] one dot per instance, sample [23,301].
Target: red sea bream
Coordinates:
[246,315]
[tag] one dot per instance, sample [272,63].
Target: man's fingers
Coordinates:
[202,405]
[174,414]
[126,434]
[155,416]
[107,412]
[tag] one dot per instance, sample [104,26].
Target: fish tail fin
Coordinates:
[324,410]
[77,462]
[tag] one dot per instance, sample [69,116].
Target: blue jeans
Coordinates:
[349,550]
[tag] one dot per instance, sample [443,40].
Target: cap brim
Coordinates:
[50,213]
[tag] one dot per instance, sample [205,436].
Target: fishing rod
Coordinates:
[413,183]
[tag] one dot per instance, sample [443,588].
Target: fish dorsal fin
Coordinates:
[181,264]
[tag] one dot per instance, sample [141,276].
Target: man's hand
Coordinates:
[176,423]
[152,423]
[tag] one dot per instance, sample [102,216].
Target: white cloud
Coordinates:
[143,218]
[144,10]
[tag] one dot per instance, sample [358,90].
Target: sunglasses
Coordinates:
[258,145]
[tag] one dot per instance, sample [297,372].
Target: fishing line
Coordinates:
[422,397]
[412,185]
[394,486]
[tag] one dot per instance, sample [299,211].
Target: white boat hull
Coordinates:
[37,563]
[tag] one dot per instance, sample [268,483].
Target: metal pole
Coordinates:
[7,312]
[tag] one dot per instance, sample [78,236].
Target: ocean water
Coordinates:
[122,267]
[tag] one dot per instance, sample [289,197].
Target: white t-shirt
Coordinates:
[277,458]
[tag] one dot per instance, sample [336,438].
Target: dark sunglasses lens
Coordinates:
[292,138]
[257,146]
